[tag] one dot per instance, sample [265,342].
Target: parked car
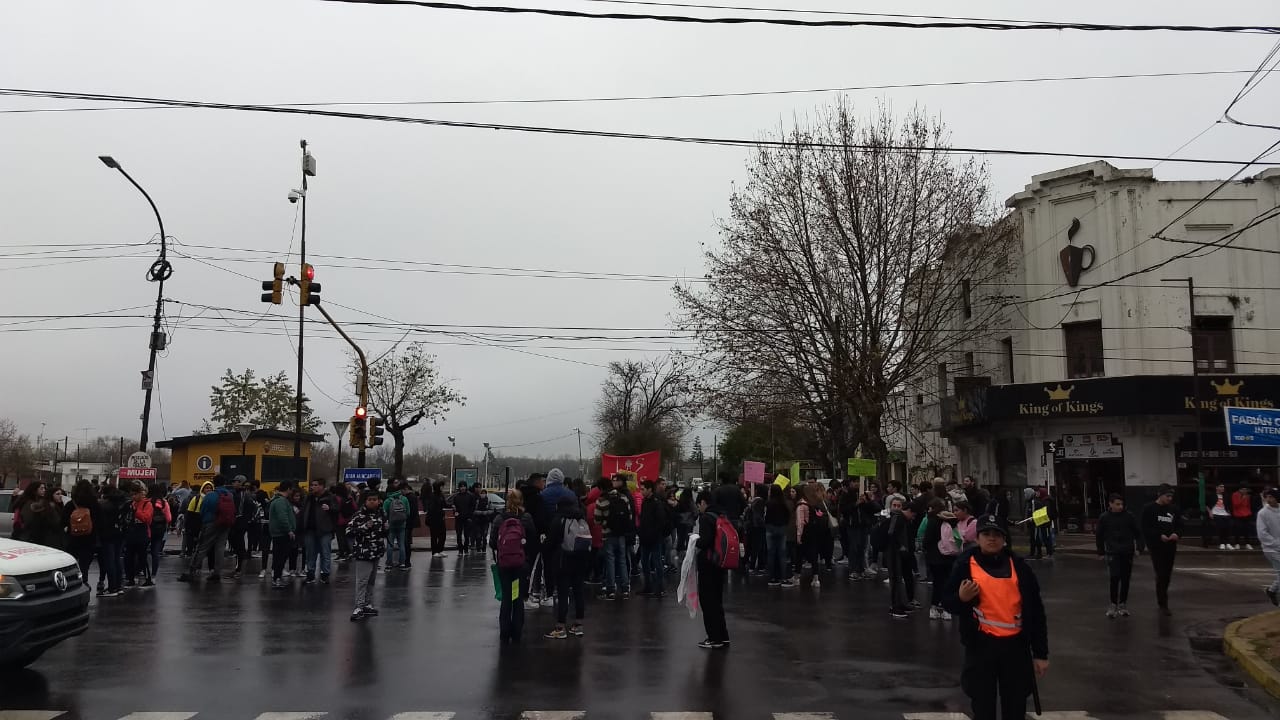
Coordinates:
[6,513]
[43,601]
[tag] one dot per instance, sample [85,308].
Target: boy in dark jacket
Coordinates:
[900,559]
[614,515]
[572,554]
[1118,538]
[996,598]
[655,526]
[711,577]
[367,530]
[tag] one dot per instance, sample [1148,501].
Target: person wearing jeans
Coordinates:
[775,538]
[655,525]
[615,516]
[213,536]
[318,518]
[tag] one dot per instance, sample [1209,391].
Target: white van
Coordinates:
[43,601]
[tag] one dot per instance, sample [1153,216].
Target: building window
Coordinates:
[942,379]
[1083,343]
[965,298]
[1007,346]
[1212,346]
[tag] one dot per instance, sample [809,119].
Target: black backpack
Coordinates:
[621,521]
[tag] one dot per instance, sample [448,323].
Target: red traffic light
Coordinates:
[361,413]
[310,271]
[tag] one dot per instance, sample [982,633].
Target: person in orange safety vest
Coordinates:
[996,598]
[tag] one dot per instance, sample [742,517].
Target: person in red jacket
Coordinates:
[1242,517]
[594,564]
[137,539]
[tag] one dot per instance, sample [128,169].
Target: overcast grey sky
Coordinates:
[481,197]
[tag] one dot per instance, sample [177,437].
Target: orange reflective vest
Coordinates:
[999,607]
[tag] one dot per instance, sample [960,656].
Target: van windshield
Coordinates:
[5,500]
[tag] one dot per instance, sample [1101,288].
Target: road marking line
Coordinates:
[681,716]
[1190,715]
[159,716]
[423,716]
[31,714]
[806,716]
[553,715]
[288,716]
[1062,715]
[935,716]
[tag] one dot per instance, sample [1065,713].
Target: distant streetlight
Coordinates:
[160,271]
[582,469]
[487,453]
[453,450]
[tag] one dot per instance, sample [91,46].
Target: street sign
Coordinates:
[204,463]
[139,460]
[361,475]
[1252,426]
[465,476]
[137,473]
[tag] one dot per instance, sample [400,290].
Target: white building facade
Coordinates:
[1090,390]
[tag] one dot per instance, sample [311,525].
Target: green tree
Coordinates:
[267,402]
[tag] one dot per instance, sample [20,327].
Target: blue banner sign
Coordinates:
[1252,426]
[361,475]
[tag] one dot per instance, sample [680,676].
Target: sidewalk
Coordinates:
[1254,643]
[1083,544]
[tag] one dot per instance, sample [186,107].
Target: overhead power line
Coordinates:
[726,142]
[674,96]
[794,22]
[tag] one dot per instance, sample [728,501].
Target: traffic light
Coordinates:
[309,291]
[358,428]
[274,288]
[375,431]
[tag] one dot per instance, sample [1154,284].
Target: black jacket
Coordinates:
[706,529]
[1035,627]
[434,508]
[1118,533]
[555,535]
[314,518]
[1160,520]
[655,520]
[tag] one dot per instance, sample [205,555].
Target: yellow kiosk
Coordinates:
[265,455]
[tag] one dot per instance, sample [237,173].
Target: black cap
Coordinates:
[1165,489]
[991,522]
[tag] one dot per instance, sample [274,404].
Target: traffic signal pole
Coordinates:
[302,318]
[364,374]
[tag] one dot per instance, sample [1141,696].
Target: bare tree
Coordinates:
[642,405]
[16,453]
[855,258]
[405,389]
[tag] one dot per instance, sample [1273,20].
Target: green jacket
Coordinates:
[281,519]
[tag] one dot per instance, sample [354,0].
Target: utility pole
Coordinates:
[308,170]
[715,457]
[487,454]
[582,469]
[453,450]
[1195,382]
[160,271]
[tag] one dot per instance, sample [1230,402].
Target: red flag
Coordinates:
[645,466]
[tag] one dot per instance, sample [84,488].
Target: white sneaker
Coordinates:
[1233,547]
[944,615]
[1222,547]
[1248,547]
[548,602]
[262,574]
[935,612]
[816,583]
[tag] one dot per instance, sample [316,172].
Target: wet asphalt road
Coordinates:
[240,649]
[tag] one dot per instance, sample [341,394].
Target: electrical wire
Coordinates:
[549,130]
[688,96]
[900,24]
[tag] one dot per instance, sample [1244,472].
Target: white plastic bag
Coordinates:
[687,593]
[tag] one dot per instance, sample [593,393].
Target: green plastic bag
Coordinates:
[497,585]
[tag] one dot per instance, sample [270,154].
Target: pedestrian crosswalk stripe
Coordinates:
[30,714]
[291,715]
[935,716]
[1191,715]
[159,716]
[681,716]
[1063,715]
[804,716]
[423,716]
[553,715]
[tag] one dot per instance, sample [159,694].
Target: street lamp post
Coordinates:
[308,170]
[160,271]
[245,430]
[487,453]
[453,447]
[340,429]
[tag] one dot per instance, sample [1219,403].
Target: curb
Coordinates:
[1238,649]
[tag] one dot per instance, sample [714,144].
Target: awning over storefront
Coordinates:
[1110,397]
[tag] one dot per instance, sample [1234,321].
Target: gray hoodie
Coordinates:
[1269,529]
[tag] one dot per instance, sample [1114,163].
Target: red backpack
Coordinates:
[725,551]
[511,544]
[226,512]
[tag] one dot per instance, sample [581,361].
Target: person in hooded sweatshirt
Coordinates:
[1269,538]
[1119,537]
[996,598]
[1161,529]
[550,498]
[571,536]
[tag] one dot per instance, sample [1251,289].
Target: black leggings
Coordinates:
[281,553]
[1119,568]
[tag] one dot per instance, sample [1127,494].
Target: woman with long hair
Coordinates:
[161,519]
[41,520]
[513,577]
[775,529]
[83,528]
